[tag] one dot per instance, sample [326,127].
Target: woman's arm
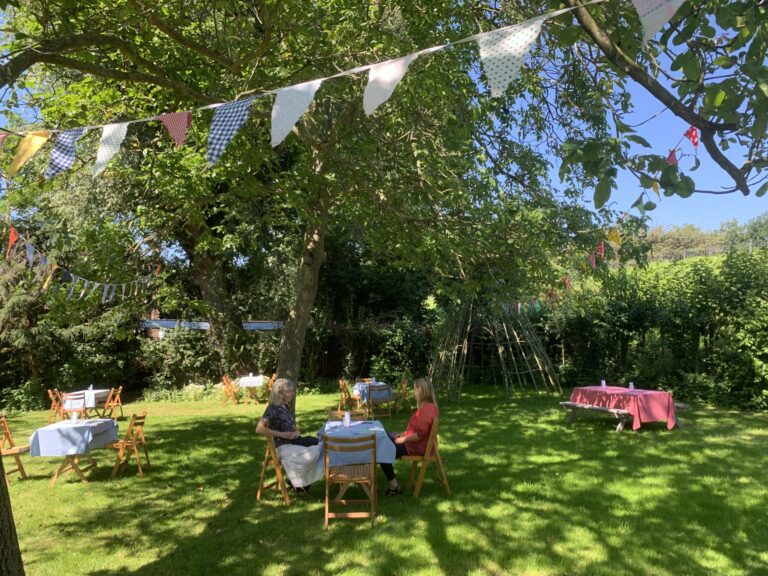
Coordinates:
[404,438]
[263,428]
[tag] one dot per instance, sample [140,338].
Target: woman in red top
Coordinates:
[414,439]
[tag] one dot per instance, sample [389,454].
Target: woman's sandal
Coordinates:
[393,491]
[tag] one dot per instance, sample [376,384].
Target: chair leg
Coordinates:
[281,483]
[411,474]
[441,473]
[263,474]
[420,481]
[146,452]
[116,467]
[138,460]
[20,467]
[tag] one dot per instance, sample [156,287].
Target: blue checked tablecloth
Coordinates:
[385,449]
[70,437]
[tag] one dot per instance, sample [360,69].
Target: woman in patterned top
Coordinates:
[298,454]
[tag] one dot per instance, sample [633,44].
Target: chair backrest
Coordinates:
[363,380]
[379,395]
[7,440]
[116,401]
[55,398]
[135,431]
[431,449]
[271,382]
[345,396]
[110,398]
[338,415]
[72,402]
[350,445]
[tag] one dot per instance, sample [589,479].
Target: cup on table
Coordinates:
[347,419]
[602,383]
[74,416]
[631,385]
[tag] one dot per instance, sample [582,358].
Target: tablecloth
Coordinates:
[644,405]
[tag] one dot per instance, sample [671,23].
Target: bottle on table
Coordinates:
[631,385]
[602,383]
[347,419]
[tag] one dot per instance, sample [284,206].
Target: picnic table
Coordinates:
[624,403]
[74,440]
[385,448]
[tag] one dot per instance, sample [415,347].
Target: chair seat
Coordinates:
[15,450]
[350,472]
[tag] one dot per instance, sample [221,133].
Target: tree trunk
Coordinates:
[295,329]
[226,327]
[10,553]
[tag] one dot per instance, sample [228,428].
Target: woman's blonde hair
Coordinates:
[422,389]
[276,396]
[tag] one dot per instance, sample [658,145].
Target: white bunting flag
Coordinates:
[502,52]
[654,14]
[290,105]
[382,80]
[111,138]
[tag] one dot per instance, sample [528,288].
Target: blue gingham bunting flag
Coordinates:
[226,122]
[30,254]
[63,155]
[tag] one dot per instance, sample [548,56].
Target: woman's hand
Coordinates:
[400,439]
[293,435]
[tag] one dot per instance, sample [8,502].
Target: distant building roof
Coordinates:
[260,325]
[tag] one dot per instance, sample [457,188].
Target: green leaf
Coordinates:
[648,206]
[638,140]
[762,190]
[603,192]
[692,68]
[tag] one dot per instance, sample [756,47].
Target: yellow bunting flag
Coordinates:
[613,237]
[28,147]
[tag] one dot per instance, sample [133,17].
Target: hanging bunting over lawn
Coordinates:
[177,124]
[290,105]
[502,52]
[226,122]
[111,138]
[63,155]
[32,142]
[654,14]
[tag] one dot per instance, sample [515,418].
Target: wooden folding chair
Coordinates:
[230,391]
[346,400]
[74,403]
[107,408]
[113,403]
[432,455]
[129,445]
[8,448]
[379,395]
[347,474]
[402,396]
[356,415]
[272,459]
[55,413]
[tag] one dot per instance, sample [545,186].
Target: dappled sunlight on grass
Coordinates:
[531,495]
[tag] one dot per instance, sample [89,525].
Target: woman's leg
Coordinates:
[389,469]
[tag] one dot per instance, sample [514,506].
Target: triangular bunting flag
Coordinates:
[177,124]
[75,280]
[50,277]
[95,286]
[104,293]
[28,147]
[11,241]
[567,282]
[111,138]
[693,135]
[226,122]
[601,249]
[86,283]
[290,105]
[672,157]
[502,52]
[3,136]
[382,80]
[42,264]
[63,155]
[592,260]
[30,249]
[654,14]
[65,276]
[122,296]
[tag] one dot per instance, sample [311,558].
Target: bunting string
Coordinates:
[501,55]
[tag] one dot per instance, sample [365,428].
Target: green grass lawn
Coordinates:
[531,495]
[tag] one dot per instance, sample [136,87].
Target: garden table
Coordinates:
[74,440]
[642,405]
[93,398]
[360,390]
[385,448]
[252,385]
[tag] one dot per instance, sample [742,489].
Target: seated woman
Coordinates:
[414,439]
[300,455]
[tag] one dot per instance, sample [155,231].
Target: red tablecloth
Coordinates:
[644,405]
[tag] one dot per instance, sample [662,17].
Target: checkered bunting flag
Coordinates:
[502,52]
[226,122]
[63,155]
[111,138]
[177,124]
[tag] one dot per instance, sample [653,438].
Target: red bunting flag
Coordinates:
[552,295]
[177,123]
[567,283]
[672,157]
[601,249]
[11,241]
[592,260]
[693,135]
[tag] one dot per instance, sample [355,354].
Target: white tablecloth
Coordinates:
[93,398]
[253,381]
[70,437]
[385,448]
[361,389]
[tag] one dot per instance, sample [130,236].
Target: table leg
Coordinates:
[572,415]
[622,422]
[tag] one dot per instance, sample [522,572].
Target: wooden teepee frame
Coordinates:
[518,357]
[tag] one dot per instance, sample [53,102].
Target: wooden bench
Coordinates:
[622,415]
